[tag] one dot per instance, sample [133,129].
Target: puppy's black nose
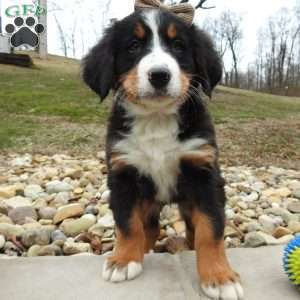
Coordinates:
[159,77]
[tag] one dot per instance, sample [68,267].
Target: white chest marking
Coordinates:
[153,148]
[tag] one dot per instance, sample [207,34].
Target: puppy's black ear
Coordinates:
[208,62]
[98,66]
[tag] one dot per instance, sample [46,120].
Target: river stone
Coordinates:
[74,173]
[5,219]
[281,231]
[9,230]
[269,239]
[294,207]
[296,194]
[47,213]
[22,161]
[2,241]
[18,201]
[179,227]
[68,211]
[253,226]
[36,237]
[106,221]
[19,214]
[58,235]
[105,196]
[294,226]
[71,248]
[62,198]
[33,191]
[33,251]
[267,223]
[285,239]
[57,186]
[75,227]
[11,249]
[282,212]
[253,239]
[7,191]
[50,250]
[97,230]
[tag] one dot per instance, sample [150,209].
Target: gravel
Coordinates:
[58,205]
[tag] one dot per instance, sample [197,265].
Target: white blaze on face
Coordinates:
[157,58]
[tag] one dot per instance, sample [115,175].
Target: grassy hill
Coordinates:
[48,109]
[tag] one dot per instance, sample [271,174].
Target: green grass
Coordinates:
[49,109]
[244,106]
[52,88]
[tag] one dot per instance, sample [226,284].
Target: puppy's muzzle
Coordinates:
[159,77]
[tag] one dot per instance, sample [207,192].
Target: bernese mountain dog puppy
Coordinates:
[161,144]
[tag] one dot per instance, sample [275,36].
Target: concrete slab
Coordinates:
[165,277]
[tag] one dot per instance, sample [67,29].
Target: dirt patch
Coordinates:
[260,143]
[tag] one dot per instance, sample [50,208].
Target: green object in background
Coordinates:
[291,261]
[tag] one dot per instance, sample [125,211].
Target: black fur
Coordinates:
[197,188]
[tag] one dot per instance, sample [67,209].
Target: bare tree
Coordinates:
[231,23]
[62,37]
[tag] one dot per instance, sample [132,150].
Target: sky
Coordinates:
[88,16]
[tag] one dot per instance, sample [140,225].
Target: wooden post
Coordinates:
[43,46]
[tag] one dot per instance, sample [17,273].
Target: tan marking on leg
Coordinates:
[129,248]
[116,162]
[151,232]
[212,264]
[206,155]
[139,31]
[172,31]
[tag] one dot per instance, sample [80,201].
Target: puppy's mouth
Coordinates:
[157,96]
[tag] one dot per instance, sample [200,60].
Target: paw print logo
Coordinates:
[24,32]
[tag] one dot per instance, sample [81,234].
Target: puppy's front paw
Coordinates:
[229,291]
[114,273]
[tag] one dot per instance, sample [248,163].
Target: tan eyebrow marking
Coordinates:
[172,31]
[139,31]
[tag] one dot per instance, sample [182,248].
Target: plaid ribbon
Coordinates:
[184,11]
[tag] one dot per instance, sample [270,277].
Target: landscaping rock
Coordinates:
[268,223]
[58,235]
[57,186]
[68,211]
[18,215]
[75,227]
[253,240]
[5,219]
[9,230]
[294,226]
[70,194]
[47,213]
[7,191]
[107,221]
[50,250]
[71,248]
[296,194]
[97,230]
[33,191]
[2,241]
[281,232]
[18,201]
[36,237]
[294,207]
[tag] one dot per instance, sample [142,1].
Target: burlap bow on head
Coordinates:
[184,11]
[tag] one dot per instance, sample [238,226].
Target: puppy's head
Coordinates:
[152,58]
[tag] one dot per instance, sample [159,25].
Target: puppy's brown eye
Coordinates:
[178,46]
[134,47]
